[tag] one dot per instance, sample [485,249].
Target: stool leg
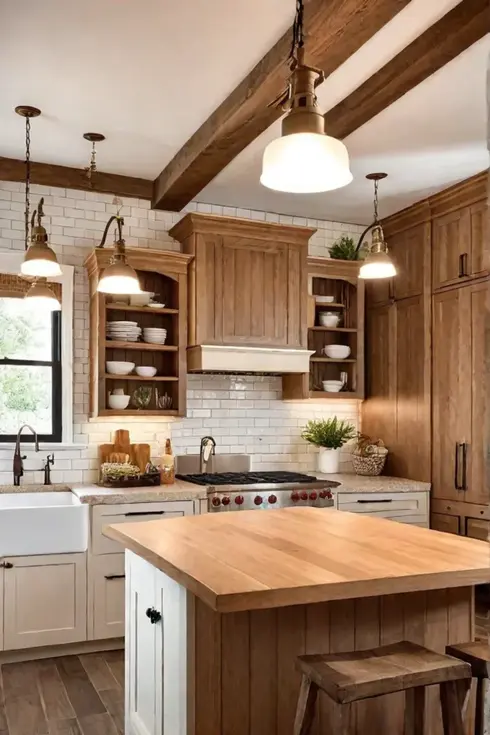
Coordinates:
[414,711]
[482,715]
[305,708]
[453,697]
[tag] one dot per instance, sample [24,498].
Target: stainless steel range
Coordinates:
[262,490]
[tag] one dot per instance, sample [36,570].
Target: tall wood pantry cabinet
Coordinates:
[425,347]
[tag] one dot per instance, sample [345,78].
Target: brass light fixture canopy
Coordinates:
[304,159]
[40,260]
[119,277]
[40,294]
[378,263]
[94,137]
[27,111]
[91,169]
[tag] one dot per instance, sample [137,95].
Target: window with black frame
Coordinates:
[30,369]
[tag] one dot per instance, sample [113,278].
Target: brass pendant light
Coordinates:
[304,159]
[40,260]
[40,294]
[119,277]
[378,263]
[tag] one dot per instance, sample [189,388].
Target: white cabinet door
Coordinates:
[142,678]
[1,606]
[405,507]
[107,577]
[45,600]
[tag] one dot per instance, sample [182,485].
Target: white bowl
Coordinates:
[118,402]
[337,352]
[156,305]
[119,368]
[324,299]
[332,386]
[141,299]
[328,320]
[146,371]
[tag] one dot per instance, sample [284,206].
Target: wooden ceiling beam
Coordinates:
[47,174]
[335,29]
[459,29]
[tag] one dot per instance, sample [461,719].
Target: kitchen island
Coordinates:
[219,606]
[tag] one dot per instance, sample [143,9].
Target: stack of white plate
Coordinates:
[123,331]
[155,335]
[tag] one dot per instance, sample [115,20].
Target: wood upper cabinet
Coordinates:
[248,281]
[379,411]
[478,490]
[458,244]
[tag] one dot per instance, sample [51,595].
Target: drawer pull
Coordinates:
[387,500]
[6,565]
[153,615]
[145,513]
[114,576]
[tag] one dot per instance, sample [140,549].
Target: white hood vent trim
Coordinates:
[237,359]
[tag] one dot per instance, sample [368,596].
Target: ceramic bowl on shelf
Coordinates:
[146,371]
[332,386]
[156,305]
[337,352]
[324,299]
[328,319]
[141,299]
[118,402]
[115,367]
[155,336]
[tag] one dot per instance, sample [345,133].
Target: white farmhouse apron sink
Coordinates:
[42,523]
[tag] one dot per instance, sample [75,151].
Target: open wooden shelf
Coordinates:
[340,394]
[161,378]
[331,359]
[114,345]
[333,304]
[137,412]
[141,309]
[333,329]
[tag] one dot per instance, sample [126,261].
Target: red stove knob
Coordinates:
[329,495]
[258,500]
[323,494]
[313,496]
[304,495]
[216,501]
[272,499]
[226,500]
[294,497]
[239,500]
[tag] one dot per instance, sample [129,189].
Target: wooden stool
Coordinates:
[354,676]
[477,654]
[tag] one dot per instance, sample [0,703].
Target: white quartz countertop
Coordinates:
[352,483]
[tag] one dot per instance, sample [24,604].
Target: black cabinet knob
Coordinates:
[153,615]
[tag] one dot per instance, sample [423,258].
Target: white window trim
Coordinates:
[10,263]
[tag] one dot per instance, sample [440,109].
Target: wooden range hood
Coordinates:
[247,302]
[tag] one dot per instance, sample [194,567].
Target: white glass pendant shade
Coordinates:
[41,297]
[40,261]
[119,278]
[305,163]
[377,265]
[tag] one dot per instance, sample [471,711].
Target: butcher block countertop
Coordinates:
[253,560]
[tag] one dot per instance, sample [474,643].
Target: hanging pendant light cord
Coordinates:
[298,34]
[28,180]
[376,219]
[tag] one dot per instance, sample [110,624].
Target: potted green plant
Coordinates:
[329,435]
[344,248]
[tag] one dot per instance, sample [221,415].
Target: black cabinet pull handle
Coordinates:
[114,576]
[463,265]
[6,565]
[145,513]
[386,500]
[154,615]
[464,447]
[456,468]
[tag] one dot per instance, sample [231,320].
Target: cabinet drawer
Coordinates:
[389,505]
[443,522]
[478,528]
[106,515]
[107,578]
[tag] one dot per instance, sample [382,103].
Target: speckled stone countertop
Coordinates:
[57,487]
[95,495]
[352,483]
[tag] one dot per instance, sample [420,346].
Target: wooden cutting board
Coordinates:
[139,454]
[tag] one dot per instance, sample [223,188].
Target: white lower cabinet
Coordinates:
[44,600]
[404,507]
[107,590]
[155,651]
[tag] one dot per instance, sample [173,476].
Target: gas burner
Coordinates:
[247,478]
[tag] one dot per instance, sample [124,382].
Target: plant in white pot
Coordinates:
[329,435]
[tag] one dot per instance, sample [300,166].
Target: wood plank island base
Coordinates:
[220,606]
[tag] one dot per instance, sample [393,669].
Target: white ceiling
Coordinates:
[147,74]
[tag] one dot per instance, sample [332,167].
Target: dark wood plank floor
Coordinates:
[71,695]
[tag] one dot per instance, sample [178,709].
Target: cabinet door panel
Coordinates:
[107,580]
[476,480]
[442,522]
[451,384]
[478,528]
[479,238]
[141,672]
[409,249]
[451,237]
[45,601]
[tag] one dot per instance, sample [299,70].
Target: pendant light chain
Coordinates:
[298,34]
[28,180]
[376,183]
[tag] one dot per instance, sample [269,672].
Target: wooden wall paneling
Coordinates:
[206,674]
[478,490]
[318,641]
[391,631]
[367,635]
[263,671]
[291,642]
[451,398]
[235,680]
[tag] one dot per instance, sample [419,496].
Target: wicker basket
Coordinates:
[370,464]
